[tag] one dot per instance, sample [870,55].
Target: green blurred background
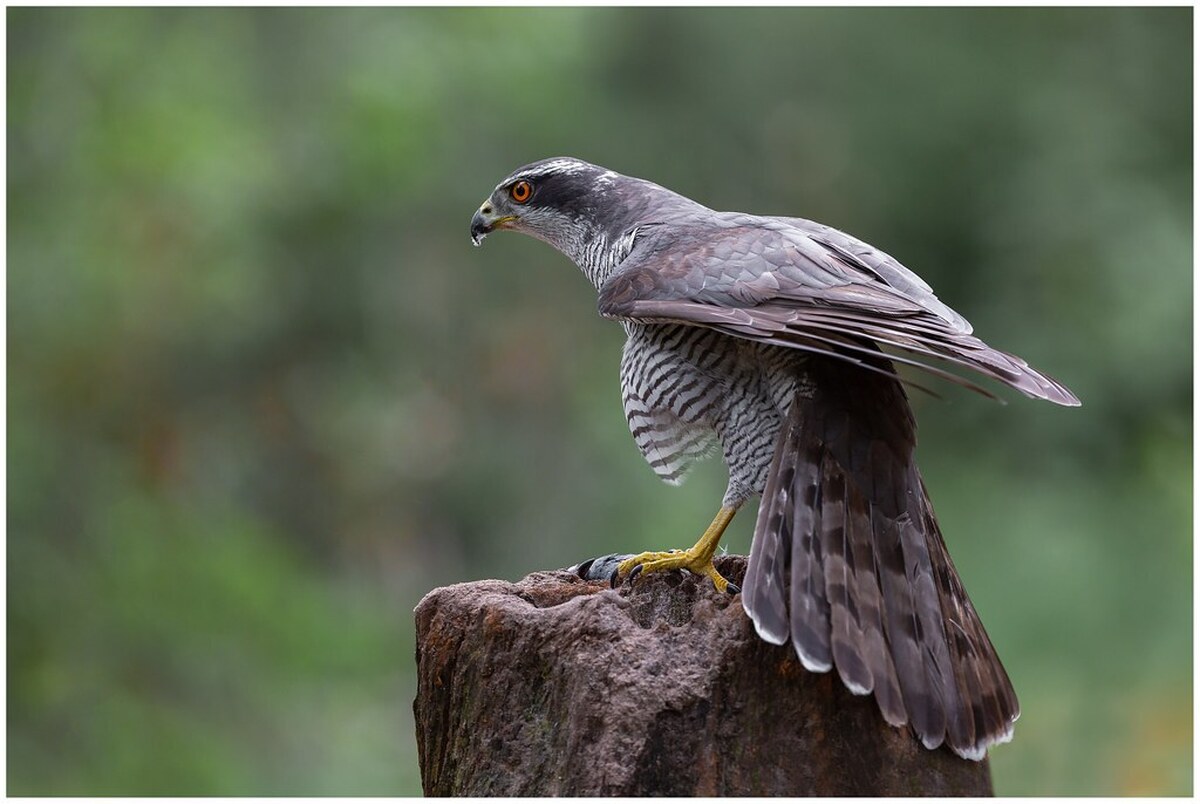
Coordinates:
[263,395]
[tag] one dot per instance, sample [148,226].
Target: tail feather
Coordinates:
[764,589]
[847,642]
[902,626]
[809,606]
[869,600]
[992,703]
[848,561]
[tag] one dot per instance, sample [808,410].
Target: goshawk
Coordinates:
[764,337]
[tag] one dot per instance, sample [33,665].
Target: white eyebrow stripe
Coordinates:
[561,167]
[557,166]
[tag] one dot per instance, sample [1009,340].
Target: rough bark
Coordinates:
[559,686]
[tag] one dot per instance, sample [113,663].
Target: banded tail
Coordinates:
[848,564]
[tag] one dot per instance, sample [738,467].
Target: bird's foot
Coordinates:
[696,560]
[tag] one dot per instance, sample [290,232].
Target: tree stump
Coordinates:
[559,686]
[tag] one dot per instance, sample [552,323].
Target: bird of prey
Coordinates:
[764,337]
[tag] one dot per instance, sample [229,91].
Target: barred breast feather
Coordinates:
[688,391]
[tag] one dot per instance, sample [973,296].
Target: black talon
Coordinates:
[583,569]
[635,572]
[733,588]
[615,578]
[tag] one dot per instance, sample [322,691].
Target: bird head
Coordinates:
[555,200]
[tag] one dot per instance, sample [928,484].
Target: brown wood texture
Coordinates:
[559,686]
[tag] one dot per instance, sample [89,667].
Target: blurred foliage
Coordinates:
[263,395]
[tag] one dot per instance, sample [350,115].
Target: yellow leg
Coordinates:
[697,560]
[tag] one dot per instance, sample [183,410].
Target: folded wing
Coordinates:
[799,284]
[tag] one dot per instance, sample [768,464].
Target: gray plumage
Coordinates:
[762,337]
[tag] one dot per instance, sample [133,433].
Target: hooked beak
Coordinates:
[485,221]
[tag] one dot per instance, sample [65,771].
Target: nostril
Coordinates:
[486,209]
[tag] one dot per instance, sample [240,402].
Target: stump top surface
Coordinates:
[553,685]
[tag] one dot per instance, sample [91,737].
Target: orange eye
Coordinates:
[521,191]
